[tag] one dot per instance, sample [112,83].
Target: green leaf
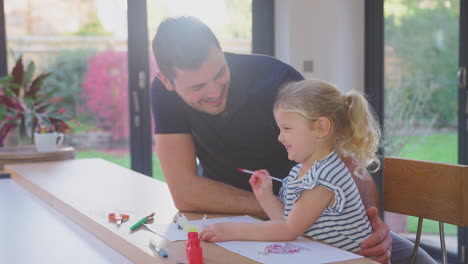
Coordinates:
[41,107]
[58,116]
[29,102]
[43,119]
[36,85]
[14,86]
[47,95]
[9,92]
[12,102]
[3,112]
[28,75]
[22,128]
[29,123]
[6,80]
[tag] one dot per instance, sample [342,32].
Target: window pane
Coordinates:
[230,20]
[421,60]
[83,44]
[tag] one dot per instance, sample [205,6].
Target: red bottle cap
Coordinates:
[192,235]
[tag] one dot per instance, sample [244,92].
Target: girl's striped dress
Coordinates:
[344,224]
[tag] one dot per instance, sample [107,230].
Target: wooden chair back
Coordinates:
[426,189]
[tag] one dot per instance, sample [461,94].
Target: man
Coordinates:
[218,107]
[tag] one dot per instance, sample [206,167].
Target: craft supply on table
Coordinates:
[118,218]
[190,237]
[150,228]
[142,221]
[180,220]
[159,250]
[194,250]
[300,250]
[252,172]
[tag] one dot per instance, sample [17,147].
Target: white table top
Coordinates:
[88,189]
[31,231]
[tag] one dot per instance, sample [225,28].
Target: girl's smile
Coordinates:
[301,137]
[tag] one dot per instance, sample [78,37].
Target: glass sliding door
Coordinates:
[230,20]
[421,59]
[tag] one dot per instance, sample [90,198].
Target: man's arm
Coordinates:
[366,187]
[191,192]
[379,244]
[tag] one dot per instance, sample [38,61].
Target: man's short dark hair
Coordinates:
[182,42]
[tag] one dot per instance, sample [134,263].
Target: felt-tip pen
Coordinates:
[160,251]
[142,221]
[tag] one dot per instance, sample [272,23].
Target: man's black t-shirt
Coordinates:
[246,136]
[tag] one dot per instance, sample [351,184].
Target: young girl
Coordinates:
[318,125]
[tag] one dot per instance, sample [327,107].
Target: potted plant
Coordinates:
[26,103]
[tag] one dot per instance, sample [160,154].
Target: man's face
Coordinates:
[205,88]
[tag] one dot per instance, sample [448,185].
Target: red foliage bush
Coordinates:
[105,90]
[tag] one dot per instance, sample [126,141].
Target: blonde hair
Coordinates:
[354,126]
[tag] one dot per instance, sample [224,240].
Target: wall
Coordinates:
[328,32]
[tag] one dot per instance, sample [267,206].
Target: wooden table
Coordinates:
[87,190]
[28,154]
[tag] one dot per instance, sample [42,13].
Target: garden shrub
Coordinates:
[105,90]
[68,70]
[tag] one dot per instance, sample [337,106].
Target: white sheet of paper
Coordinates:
[311,251]
[172,233]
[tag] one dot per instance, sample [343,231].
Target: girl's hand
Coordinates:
[262,185]
[218,232]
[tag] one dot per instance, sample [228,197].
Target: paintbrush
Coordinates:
[252,172]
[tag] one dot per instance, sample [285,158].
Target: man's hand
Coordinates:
[379,245]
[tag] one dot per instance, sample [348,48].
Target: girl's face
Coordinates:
[299,136]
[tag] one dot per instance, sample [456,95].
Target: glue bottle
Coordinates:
[190,237]
[195,253]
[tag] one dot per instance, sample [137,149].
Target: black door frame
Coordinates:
[263,27]
[3,50]
[374,70]
[463,120]
[138,88]
[374,88]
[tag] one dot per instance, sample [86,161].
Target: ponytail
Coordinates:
[355,130]
[360,132]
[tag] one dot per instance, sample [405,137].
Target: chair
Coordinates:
[425,189]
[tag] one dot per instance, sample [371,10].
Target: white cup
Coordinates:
[48,142]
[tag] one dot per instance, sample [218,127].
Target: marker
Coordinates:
[160,251]
[143,220]
[252,172]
